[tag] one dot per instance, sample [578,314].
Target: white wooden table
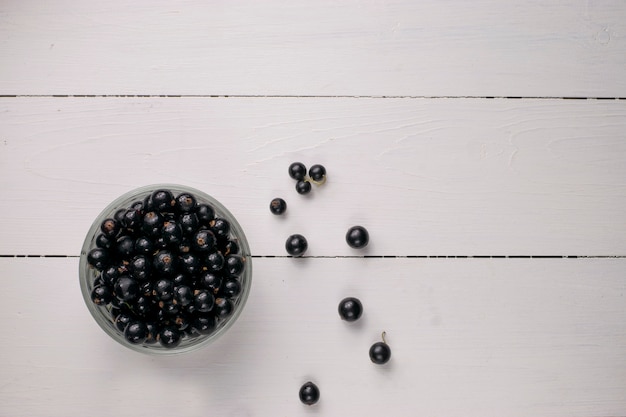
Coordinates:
[483,144]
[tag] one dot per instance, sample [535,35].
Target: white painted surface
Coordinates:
[324,47]
[426,177]
[432,177]
[469,337]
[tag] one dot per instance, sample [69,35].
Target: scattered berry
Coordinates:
[357,237]
[296,245]
[350,309]
[380,353]
[297,171]
[303,187]
[278,206]
[317,173]
[309,393]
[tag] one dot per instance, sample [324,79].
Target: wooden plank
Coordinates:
[425,176]
[469,338]
[247,47]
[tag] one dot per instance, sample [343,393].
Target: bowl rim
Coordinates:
[86,272]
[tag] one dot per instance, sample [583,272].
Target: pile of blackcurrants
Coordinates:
[167,269]
[350,308]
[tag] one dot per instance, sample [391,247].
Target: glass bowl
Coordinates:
[134,283]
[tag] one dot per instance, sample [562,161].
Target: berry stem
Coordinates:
[383,337]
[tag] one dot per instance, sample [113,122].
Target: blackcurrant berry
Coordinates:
[101,295]
[172,233]
[109,275]
[309,393]
[220,227]
[303,187]
[190,263]
[203,301]
[185,203]
[163,200]
[223,307]
[163,289]
[122,320]
[132,219]
[125,247]
[152,223]
[231,248]
[169,337]
[136,332]
[98,258]
[350,309]
[143,246]
[164,262]
[153,331]
[231,288]
[278,206]
[139,267]
[204,324]
[380,353]
[297,171]
[235,264]
[203,240]
[104,242]
[189,223]
[119,216]
[317,173]
[357,237]
[110,227]
[205,214]
[126,288]
[210,281]
[214,261]
[183,295]
[296,245]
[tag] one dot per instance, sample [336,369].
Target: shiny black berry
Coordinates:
[231,288]
[210,281]
[231,248]
[223,307]
[163,201]
[110,274]
[163,289]
[309,393]
[205,214]
[235,264]
[220,227]
[214,261]
[164,263]
[104,242]
[380,353]
[203,301]
[303,187]
[185,203]
[189,223]
[152,224]
[153,331]
[98,258]
[126,288]
[139,267]
[183,295]
[122,320]
[110,227]
[101,295]
[143,246]
[350,309]
[297,170]
[172,233]
[278,206]
[204,324]
[296,245]
[132,220]
[125,247]
[317,173]
[190,263]
[169,337]
[203,240]
[136,332]
[357,237]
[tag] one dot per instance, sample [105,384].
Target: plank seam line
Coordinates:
[306,96]
[385,256]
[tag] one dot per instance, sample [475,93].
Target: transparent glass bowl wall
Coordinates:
[88,275]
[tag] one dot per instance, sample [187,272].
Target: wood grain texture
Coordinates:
[425,176]
[326,47]
[469,338]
